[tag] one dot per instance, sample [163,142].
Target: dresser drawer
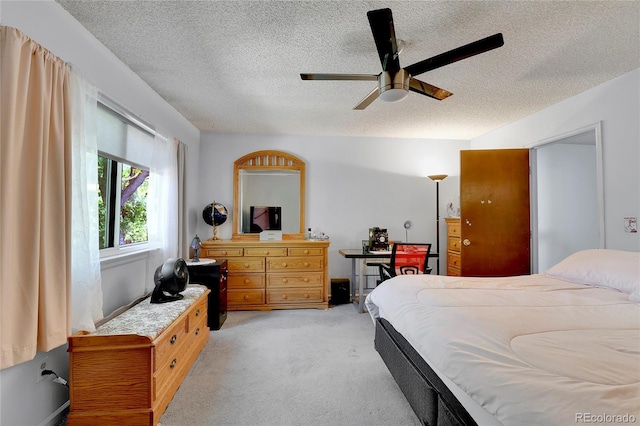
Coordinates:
[196,314]
[453,229]
[246,264]
[294,295]
[170,342]
[236,281]
[453,272]
[311,263]
[305,251]
[453,244]
[198,333]
[453,260]
[170,372]
[311,279]
[221,252]
[245,297]
[265,251]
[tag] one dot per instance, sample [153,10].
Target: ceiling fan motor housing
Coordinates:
[394,87]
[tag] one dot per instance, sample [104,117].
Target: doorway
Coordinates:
[567,202]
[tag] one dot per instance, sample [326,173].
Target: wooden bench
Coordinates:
[127,371]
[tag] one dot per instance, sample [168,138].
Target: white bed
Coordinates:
[549,349]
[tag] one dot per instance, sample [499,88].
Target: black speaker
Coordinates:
[339,291]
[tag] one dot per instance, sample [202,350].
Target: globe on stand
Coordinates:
[215,214]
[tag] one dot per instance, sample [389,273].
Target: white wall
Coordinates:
[352,184]
[22,400]
[567,202]
[617,105]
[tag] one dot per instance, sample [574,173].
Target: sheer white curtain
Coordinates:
[86,288]
[184,239]
[162,204]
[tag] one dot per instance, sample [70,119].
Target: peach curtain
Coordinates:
[35,198]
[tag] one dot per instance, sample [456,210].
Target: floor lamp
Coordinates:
[437,179]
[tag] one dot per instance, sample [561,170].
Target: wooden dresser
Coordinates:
[127,371]
[453,246]
[265,275]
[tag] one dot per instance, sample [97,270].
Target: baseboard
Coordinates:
[56,416]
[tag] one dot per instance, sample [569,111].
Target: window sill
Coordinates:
[117,257]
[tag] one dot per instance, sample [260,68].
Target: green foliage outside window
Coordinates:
[134,185]
[133,199]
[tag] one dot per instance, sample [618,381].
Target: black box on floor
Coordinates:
[339,291]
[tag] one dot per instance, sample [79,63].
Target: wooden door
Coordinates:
[494,206]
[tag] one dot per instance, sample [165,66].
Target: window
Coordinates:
[122,203]
[124,150]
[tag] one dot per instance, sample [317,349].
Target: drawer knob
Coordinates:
[284,264]
[306,251]
[247,280]
[284,296]
[306,295]
[173,363]
[466,242]
[246,297]
[284,280]
[197,331]
[173,339]
[306,264]
[224,252]
[198,313]
[266,252]
[306,280]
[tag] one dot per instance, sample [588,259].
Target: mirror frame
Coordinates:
[267,160]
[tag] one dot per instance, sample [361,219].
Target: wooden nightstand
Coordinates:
[453,246]
[213,274]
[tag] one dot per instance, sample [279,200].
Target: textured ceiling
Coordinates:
[234,66]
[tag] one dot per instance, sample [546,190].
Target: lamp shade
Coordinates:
[437,178]
[196,245]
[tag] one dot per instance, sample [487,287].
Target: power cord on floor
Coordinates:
[58,379]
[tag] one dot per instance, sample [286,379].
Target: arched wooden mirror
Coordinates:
[269,189]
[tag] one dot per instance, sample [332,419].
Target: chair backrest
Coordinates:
[410,258]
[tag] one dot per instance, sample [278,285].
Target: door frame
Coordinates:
[596,128]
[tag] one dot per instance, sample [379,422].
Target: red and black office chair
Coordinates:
[406,259]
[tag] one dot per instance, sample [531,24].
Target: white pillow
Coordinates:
[635,296]
[615,269]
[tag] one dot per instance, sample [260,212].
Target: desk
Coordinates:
[355,254]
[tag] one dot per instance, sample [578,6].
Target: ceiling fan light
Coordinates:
[394,95]
[394,88]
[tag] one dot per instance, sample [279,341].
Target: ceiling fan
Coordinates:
[395,82]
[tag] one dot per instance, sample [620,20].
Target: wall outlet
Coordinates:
[41,366]
[631,225]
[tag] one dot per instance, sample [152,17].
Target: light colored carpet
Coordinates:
[296,367]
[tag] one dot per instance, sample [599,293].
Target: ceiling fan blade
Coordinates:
[372,96]
[455,55]
[384,34]
[317,76]
[428,89]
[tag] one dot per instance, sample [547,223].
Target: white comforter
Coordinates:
[529,350]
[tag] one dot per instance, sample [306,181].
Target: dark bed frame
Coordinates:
[431,400]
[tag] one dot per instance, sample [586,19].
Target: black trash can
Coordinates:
[339,291]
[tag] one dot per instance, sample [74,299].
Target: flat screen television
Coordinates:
[263,218]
